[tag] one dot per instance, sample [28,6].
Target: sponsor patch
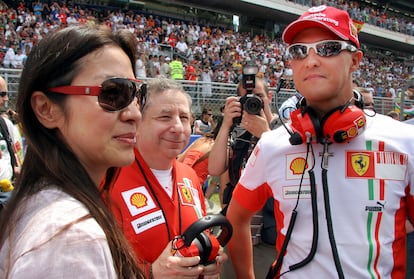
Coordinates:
[376,165]
[138,200]
[292,192]
[378,207]
[186,196]
[296,164]
[148,221]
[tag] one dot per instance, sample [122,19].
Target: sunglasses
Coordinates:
[323,48]
[3,94]
[114,94]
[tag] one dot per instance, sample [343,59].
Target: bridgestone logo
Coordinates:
[149,221]
[302,192]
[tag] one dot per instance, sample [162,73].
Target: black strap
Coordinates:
[240,152]
[10,147]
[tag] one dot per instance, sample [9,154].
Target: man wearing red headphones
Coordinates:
[341,178]
[157,198]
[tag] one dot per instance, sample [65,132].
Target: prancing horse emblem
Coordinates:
[360,163]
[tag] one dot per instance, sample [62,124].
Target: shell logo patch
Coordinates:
[298,165]
[138,200]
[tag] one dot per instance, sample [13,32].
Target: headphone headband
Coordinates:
[340,125]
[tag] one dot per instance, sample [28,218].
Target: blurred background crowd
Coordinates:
[210,53]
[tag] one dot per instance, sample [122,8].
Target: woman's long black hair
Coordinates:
[55,61]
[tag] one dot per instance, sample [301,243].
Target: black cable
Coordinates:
[315,222]
[159,203]
[329,223]
[273,270]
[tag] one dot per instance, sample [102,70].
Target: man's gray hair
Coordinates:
[161,84]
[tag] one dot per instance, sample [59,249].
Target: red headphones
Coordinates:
[340,125]
[196,241]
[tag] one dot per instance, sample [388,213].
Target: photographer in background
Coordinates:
[236,138]
[240,129]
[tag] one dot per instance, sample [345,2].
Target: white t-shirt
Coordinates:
[6,169]
[140,69]
[40,250]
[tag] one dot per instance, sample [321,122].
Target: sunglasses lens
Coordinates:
[327,49]
[298,51]
[116,94]
[142,96]
[3,94]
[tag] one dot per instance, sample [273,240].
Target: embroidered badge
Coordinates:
[138,200]
[376,165]
[186,196]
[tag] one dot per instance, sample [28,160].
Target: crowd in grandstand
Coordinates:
[212,53]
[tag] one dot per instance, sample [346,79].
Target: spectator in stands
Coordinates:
[191,71]
[140,67]
[9,58]
[177,70]
[56,224]
[157,198]
[206,124]
[165,68]
[182,46]
[19,59]
[150,67]
[320,40]
[206,77]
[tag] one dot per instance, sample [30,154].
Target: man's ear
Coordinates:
[47,112]
[356,60]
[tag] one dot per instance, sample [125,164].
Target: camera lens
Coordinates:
[253,105]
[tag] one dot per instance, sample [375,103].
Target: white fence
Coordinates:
[205,95]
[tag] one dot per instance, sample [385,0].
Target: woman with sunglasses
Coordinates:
[341,177]
[79,111]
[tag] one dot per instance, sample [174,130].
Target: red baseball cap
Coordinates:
[325,17]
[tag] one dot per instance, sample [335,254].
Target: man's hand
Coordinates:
[170,266]
[231,110]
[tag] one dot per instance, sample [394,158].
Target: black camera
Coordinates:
[251,103]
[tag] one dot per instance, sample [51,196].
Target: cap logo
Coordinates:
[317,9]
[321,17]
